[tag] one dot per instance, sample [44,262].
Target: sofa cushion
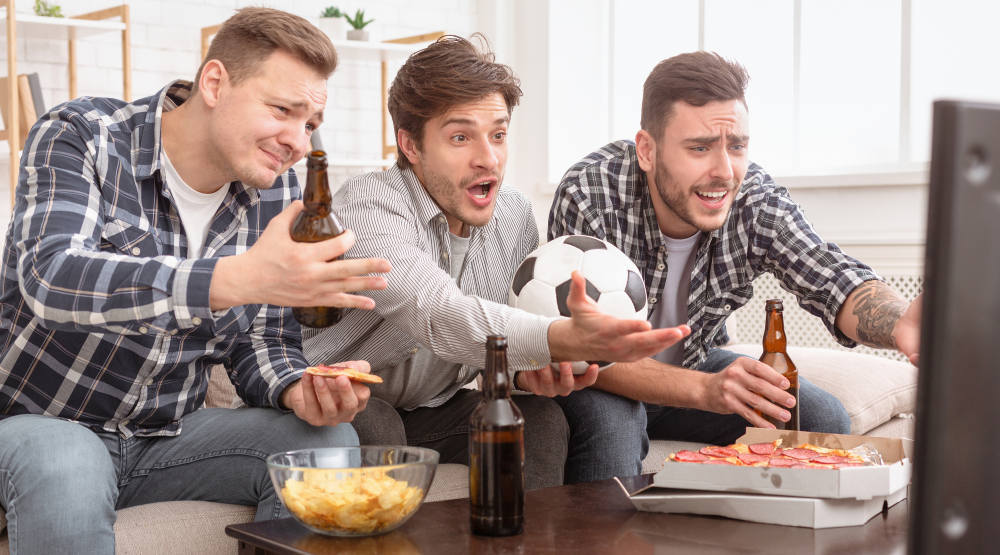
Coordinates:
[872,389]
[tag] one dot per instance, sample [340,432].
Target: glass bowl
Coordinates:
[353,491]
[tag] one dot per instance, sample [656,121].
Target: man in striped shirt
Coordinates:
[150,242]
[455,237]
[701,222]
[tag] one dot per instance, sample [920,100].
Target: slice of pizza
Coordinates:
[772,455]
[351,373]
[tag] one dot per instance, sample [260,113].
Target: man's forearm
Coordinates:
[654,382]
[870,313]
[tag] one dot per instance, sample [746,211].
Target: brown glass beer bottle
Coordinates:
[776,356]
[496,451]
[316,223]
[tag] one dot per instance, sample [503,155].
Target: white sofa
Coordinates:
[879,395]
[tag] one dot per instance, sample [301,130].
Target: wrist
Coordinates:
[226,289]
[557,340]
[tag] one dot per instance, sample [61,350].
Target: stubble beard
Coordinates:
[677,200]
[449,195]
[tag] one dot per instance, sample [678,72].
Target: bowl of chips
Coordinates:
[353,491]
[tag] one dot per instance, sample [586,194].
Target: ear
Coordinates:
[645,150]
[408,146]
[214,78]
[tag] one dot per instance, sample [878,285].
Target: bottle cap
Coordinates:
[774,304]
[496,342]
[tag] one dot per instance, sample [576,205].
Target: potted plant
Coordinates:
[332,22]
[358,23]
[45,9]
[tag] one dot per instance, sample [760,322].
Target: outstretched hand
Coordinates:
[590,334]
[279,271]
[547,383]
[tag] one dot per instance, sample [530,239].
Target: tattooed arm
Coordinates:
[877,316]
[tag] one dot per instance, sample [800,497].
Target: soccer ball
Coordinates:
[541,283]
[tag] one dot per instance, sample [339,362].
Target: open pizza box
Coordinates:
[862,482]
[770,509]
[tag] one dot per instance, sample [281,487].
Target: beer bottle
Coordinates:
[496,451]
[776,356]
[316,223]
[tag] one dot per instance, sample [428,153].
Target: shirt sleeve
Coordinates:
[269,358]
[819,274]
[424,302]
[571,212]
[65,278]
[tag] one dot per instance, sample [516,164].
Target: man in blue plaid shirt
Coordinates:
[701,222]
[129,273]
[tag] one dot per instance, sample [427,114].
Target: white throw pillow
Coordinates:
[872,389]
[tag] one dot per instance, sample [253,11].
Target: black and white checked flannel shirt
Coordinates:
[104,320]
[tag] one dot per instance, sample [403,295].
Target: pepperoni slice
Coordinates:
[752,458]
[762,448]
[782,462]
[689,456]
[717,451]
[801,454]
[831,459]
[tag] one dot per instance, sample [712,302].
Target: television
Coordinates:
[956,483]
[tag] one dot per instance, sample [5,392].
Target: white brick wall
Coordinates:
[166,45]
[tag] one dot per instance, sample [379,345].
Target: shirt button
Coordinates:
[728,308]
[143,330]
[652,300]
[136,251]
[661,266]
[196,321]
[414,350]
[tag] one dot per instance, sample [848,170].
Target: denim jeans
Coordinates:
[446,430]
[61,482]
[609,435]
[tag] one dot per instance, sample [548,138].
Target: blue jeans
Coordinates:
[609,434]
[61,482]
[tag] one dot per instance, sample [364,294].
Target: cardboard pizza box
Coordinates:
[769,509]
[862,482]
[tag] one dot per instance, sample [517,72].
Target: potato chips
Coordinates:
[355,501]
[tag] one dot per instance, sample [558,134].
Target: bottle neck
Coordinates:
[496,382]
[774,333]
[317,192]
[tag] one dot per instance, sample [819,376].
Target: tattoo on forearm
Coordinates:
[877,308]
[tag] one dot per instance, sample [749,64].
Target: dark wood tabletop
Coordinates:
[583,518]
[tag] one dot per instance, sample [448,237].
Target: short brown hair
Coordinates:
[253,34]
[449,72]
[696,78]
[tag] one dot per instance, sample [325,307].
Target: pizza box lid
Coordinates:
[861,482]
[770,509]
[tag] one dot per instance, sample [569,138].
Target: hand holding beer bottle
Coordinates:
[776,356]
[316,223]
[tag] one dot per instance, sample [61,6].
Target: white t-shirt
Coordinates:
[195,209]
[671,309]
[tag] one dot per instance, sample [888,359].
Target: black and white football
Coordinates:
[541,283]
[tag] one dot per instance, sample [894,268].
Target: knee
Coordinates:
[544,423]
[293,433]
[379,424]
[605,418]
[825,413]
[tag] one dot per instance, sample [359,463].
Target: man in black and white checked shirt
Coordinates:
[455,237]
[701,222]
[129,274]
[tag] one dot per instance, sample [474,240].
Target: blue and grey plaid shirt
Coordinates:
[605,195]
[104,320]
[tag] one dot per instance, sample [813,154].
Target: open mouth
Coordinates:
[481,191]
[712,198]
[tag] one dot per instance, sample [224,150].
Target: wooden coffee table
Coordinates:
[582,518]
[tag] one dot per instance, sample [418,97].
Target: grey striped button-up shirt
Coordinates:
[394,218]
[104,320]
